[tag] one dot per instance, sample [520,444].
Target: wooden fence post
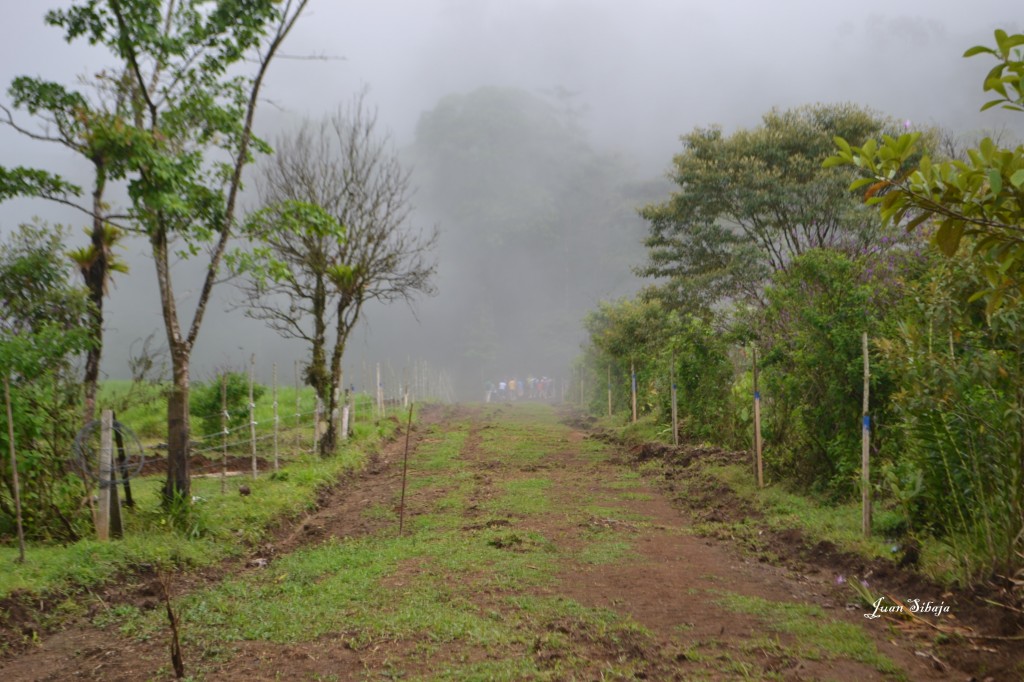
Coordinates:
[757,426]
[345,417]
[865,451]
[316,425]
[274,375]
[14,470]
[675,408]
[108,520]
[252,413]
[380,395]
[122,463]
[405,472]
[224,432]
[298,411]
[609,389]
[632,373]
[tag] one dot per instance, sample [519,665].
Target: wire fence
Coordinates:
[266,436]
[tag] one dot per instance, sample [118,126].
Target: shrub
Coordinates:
[206,403]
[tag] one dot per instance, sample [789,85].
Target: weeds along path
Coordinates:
[530,552]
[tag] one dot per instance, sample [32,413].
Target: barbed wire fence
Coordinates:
[261,439]
[259,436]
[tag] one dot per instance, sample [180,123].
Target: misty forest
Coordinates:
[496,399]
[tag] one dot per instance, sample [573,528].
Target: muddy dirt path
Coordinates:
[531,552]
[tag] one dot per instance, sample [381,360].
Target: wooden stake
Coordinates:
[865,451]
[252,413]
[224,432]
[177,660]
[274,375]
[609,390]
[14,470]
[632,372]
[345,417]
[405,470]
[106,475]
[114,513]
[380,395]
[757,426]
[675,408]
[316,425]
[122,463]
[298,411]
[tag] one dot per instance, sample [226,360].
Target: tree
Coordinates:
[980,198]
[89,127]
[334,236]
[181,140]
[749,203]
[44,326]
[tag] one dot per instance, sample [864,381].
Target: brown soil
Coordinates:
[672,585]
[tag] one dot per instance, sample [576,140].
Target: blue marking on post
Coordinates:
[867,422]
[757,395]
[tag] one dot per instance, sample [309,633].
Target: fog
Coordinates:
[581,104]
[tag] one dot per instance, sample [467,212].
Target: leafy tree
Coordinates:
[747,204]
[627,336]
[181,138]
[44,327]
[90,126]
[980,198]
[335,236]
[810,333]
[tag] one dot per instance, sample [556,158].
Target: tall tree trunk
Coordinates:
[95,273]
[179,482]
[316,373]
[329,443]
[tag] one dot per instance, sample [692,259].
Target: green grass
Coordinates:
[219,525]
[838,523]
[816,636]
[524,497]
[606,550]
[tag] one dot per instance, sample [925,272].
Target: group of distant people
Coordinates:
[512,389]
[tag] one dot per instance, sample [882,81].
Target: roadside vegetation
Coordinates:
[781,246]
[218,524]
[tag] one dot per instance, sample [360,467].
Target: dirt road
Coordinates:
[530,551]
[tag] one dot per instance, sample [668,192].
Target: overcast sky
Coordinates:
[646,72]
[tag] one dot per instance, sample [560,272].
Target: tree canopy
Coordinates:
[979,198]
[746,204]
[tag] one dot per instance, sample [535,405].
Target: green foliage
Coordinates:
[703,374]
[748,203]
[641,334]
[811,336]
[208,406]
[43,328]
[958,414]
[959,408]
[979,199]
[172,120]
